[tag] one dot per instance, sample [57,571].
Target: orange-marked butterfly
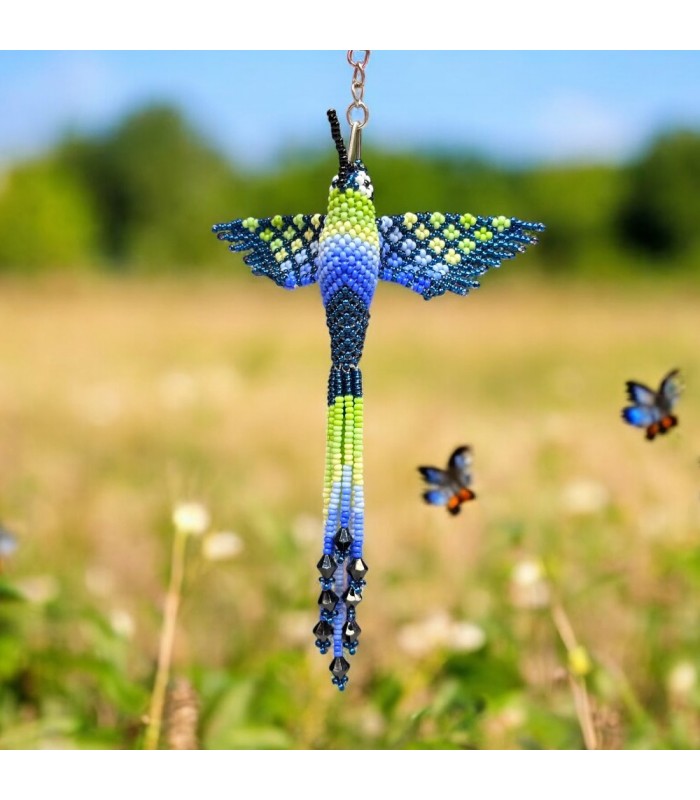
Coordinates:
[452,484]
[652,410]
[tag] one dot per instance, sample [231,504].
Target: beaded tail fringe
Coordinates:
[341,566]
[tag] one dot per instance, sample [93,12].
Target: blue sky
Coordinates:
[514,106]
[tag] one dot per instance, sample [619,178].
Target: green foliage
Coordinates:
[158,189]
[661,213]
[62,668]
[580,206]
[46,219]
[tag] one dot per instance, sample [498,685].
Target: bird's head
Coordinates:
[351,175]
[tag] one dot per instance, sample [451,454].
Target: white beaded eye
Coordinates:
[366,189]
[364,184]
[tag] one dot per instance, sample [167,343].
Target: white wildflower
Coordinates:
[584,496]
[682,679]
[440,631]
[191,518]
[419,638]
[39,589]
[529,586]
[122,623]
[220,545]
[467,637]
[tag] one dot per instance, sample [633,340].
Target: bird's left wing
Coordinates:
[283,248]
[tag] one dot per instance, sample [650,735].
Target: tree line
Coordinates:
[142,197]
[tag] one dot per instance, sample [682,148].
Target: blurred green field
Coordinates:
[120,399]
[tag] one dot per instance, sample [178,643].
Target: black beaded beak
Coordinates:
[344,163]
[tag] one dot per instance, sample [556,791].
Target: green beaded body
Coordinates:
[348,265]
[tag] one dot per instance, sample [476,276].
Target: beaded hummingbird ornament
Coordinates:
[346,252]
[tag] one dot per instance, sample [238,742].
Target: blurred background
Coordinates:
[143,367]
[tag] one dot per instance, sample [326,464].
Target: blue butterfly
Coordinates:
[453,483]
[650,409]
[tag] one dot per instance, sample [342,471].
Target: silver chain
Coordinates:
[357,113]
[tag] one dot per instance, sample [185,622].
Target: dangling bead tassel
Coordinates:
[341,566]
[356,567]
[327,565]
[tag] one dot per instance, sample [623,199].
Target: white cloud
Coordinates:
[576,126]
